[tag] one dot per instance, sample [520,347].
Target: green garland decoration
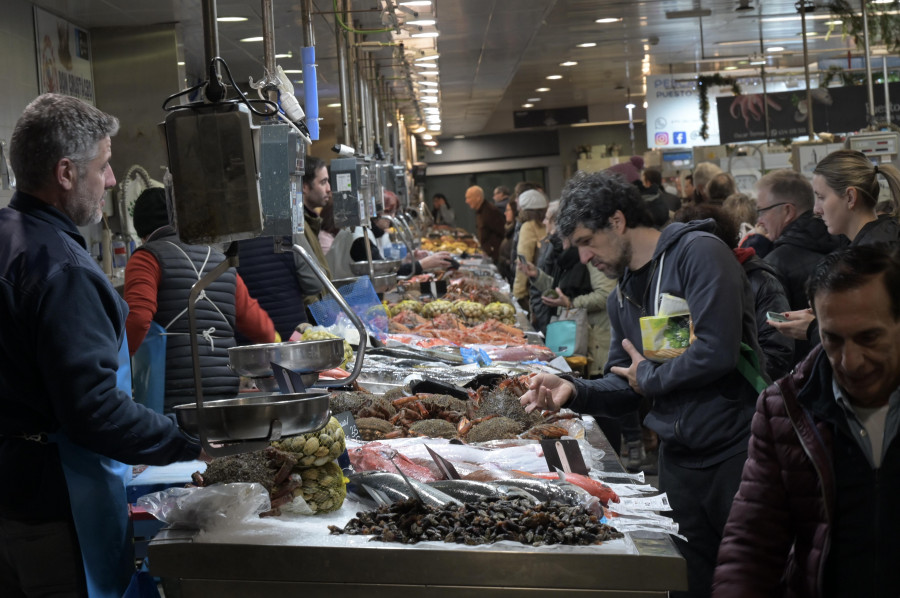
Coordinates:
[704,82]
[884,27]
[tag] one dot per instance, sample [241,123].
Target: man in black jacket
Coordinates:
[784,206]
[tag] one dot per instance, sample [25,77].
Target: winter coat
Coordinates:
[63,327]
[884,229]
[491,223]
[531,234]
[700,404]
[506,264]
[272,280]
[768,295]
[801,245]
[812,517]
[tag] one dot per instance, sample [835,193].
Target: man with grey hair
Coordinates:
[67,418]
[784,207]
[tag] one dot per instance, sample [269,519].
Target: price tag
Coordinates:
[564,455]
[348,423]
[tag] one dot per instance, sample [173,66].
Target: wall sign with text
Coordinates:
[64,57]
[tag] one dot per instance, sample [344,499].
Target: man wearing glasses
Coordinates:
[785,210]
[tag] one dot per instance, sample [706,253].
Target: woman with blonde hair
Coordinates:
[845,184]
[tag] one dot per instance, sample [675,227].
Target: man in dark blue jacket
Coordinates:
[701,404]
[66,413]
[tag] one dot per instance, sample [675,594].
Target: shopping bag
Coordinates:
[567,333]
[149,369]
[668,334]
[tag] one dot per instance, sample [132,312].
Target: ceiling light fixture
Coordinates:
[293,71]
[427,65]
[430,73]
[430,57]
[431,143]
[428,83]
[430,100]
[420,129]
[438,151]
[429,90]
[774,49]
[417,3]
[630,106]
[231,19]
[459,136]
[287,55]
[688,14]
[428,137]
[608,20]
[568,63]
[338,105]
[731,68]
[434,127]
[421,22]
[533,100]
[554,77]
[426,34]
[252,39]
[586,45]
[527,105]
[542,89]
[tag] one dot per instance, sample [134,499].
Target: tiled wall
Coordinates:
[18,68]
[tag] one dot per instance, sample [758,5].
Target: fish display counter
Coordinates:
[304,558]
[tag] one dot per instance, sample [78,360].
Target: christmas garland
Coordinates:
[704,82]
[884,25]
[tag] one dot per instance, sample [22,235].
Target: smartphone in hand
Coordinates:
[522,258]
[775,316]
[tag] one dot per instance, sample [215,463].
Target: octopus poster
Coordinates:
[834,110]
[63,56]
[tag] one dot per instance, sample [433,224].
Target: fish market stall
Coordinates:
[301,557]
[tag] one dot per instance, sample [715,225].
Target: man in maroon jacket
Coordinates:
[490,221]
[816,511]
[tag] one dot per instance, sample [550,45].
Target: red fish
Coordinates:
[592,486]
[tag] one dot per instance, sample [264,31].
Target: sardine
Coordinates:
[393,487]
[466,490]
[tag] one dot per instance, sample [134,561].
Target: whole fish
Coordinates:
[595,488]
[466,490]
[393,487]
[541,490]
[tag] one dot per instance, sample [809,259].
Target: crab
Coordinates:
[375,428]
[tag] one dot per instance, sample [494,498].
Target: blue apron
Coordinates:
[100,507]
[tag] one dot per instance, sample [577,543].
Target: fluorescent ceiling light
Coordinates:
[527,105]
[426,34]
[542,89]
[421,22]
[688,14]
[231,19]
[431,143]
[432,110]
[439,151]
[429,90]
[338,105]
[757,62]
[430,73]
[293,71]
[533,100]
[838,22]
[181,63]
[608,20]
[252,39]
[630,106]
[429,137]
[730,68]
[774,49]
[432,57]
[645,104]
[568,63]
[430,100]
[417,3]
[434,127]
[427,65]
[586,45]
[428,83]
[288,55]
[554,77]
[420,129]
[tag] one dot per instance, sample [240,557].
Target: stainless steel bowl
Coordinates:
[299,356]
[252,417]
[381,284]
[380,267]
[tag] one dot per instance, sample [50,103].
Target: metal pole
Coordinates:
[268,23]
[340,39]
[809,101]
[865,17]
[762,73]
[355,103]
[210,31]
[887,92]
[309,34]
[376,120]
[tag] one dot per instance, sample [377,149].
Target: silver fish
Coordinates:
[544,491]
[466,490]
[393,487]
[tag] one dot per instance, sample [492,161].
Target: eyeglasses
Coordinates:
[774,205]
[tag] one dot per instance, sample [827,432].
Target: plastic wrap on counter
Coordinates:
[216,506]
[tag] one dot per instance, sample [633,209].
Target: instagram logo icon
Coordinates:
[662,139]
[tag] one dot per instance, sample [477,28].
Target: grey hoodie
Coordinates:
[701,405]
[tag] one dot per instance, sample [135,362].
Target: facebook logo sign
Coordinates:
[679,138]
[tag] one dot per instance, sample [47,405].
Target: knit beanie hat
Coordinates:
[150,211]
